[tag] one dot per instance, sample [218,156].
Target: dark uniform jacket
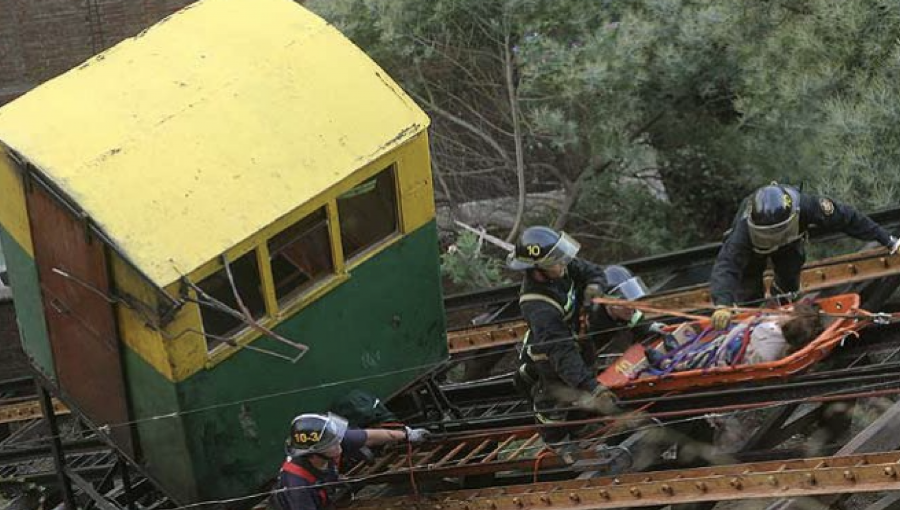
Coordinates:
[551,310]
[309,488]
[737,274]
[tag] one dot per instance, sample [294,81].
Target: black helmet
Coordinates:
[774,218]
[624,284]
[542,247]
[315,433]
[773,204]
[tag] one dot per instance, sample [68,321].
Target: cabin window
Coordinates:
[301,256]
[368,213]
[219,324]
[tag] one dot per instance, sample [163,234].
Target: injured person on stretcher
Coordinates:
[757,340]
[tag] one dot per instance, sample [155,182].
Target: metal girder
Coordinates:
[857,267]
[705,253]
[473,339]
[801,477]
[29,410]
[882,434]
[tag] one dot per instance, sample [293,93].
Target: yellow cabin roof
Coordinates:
[185,140]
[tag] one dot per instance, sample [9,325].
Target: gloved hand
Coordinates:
[657,327]
[591,291]
[601,400]
[721,318]
[892,249]
[417,435]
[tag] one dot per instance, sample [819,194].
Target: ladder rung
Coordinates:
[493,455]
[474,452]
[452,453]
[525,445]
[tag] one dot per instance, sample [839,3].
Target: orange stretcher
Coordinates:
[627,375]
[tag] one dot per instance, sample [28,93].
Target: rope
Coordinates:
[546,452]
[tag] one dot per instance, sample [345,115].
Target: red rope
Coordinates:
[537,462]
[412,474]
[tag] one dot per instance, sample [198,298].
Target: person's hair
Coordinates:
[805,325]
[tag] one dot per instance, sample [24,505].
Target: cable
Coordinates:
[175,414]
[260,495]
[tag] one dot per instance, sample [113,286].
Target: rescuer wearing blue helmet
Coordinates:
[772,225]
[314,448]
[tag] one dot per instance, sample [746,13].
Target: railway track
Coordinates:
[682,270]
[799,477]
[486,430]
[817,276]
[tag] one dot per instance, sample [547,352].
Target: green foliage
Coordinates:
[469,267]
[660,115]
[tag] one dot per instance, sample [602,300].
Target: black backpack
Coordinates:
[362,410]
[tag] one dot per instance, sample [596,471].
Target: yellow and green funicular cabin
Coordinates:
[214,226]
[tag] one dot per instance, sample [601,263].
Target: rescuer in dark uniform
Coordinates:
[606,322]
[314,449]
[556,285]
[773,225]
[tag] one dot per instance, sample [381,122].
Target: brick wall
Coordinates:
[40,39]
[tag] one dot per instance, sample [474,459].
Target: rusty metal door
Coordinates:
[72,268]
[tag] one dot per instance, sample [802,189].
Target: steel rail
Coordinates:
[845,269]
[799,477]
[888,218]
[519,449]
[28,410]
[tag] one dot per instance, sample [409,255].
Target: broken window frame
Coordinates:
[276,310]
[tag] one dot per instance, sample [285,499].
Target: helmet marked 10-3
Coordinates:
[774,217]
[541,247]
[623,283]
[315,433]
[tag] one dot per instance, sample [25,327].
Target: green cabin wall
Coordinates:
[377,331]
[26,289]
[162,440]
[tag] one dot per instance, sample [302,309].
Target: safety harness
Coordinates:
[702,352]
[321,494]
[566,310]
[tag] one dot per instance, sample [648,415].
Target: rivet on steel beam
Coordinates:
[736,483]
[849,476]
[810,478]
[574,497]
[885,262]
[604,493]
[491,505]
[616,481]
[635,492]
[821,275]
[518,502]
[546,499]
[667,489]
[890,471]
[772,481]
[852,269]
[701,486]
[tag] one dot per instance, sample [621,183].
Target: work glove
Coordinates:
[657,327]
[601,400]
[721,318]
[417,435]
[892,249]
